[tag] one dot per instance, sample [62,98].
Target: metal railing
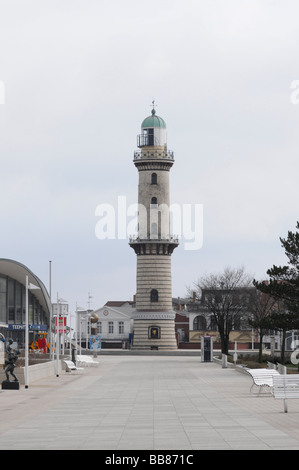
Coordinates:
[144,140]
[169,238]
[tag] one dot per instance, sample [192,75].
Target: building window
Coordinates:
[3,289]
[199,323]
[213,323]
[237,323]
[11,302]
[100,327]
[154,178]
[121,327]
[18,302]
[154,201]
[110,327]
[154,295]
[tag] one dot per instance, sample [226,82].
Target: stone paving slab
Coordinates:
[147,403]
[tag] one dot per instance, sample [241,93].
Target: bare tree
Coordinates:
[225,295]
[261,306]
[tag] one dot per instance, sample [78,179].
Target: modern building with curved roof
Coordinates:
[13,301]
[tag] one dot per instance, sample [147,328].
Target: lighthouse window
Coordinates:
[154,178]
[154,200]
[150,136]
[154,295]
[154,230]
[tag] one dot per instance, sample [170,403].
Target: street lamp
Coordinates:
[74,332]
[31,287]
[59,301]
[51,335]
[78,326]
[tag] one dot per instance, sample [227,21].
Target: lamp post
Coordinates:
[86,340]
[78,326]
[75,334]
[31,287]
[80,339]
[59,302]
[57,339]
[51,313]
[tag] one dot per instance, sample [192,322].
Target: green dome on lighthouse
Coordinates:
[153,121]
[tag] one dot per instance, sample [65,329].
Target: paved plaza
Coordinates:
[145,402]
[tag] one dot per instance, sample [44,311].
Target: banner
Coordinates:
[95,342]
[61,324]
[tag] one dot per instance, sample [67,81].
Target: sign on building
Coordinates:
[31,327]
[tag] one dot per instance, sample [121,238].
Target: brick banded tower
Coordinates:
[154,326]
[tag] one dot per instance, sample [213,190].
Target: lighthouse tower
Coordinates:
[154,326]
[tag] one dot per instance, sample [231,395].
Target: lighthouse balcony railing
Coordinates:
[154,238]
[166,154]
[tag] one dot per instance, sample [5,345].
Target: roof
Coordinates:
[117,303]
[115,309]
[153,121]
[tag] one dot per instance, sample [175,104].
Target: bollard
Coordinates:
[74,355]
[235,358]
[224,361]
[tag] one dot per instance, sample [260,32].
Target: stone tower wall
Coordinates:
[154,272]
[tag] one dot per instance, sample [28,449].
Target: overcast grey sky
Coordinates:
[79,79]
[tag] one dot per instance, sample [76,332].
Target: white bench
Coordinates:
[70,366]
[86,360]
[286,386]
[263,378]
[271,365]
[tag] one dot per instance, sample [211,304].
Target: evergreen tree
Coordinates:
[283,286]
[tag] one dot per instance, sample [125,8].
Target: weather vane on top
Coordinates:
[153,105]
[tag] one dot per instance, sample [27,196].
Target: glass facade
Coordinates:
[13,308]
[3,299]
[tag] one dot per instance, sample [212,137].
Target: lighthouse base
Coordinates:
[154,331]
